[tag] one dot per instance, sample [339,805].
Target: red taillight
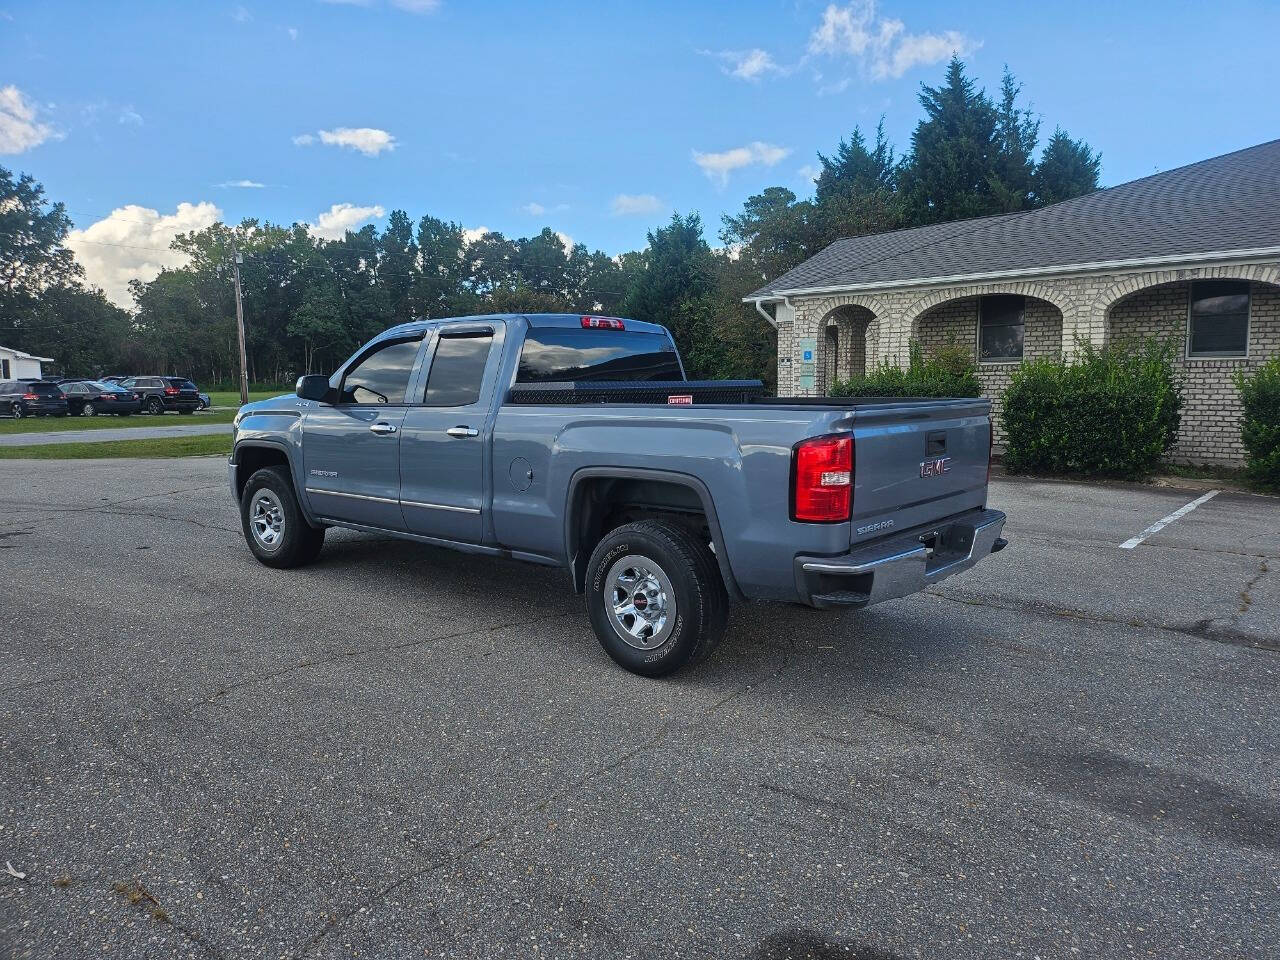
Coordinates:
[31,396]
[170,391]
[602,323]
[823,480]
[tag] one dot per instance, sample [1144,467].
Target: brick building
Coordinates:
[1192,254]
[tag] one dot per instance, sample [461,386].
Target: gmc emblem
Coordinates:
[935,468]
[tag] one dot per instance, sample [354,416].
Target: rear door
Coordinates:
[443,462]
[351,448]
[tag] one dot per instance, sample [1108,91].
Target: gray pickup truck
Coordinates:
[577,442]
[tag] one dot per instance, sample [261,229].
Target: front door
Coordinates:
[442,462]
[351,448]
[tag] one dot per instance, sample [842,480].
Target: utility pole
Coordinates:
[236,259]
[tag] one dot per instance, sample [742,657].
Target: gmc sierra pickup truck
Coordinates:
[577,442]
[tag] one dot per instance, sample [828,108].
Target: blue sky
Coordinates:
[594,119]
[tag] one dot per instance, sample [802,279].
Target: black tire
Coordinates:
[700,600]
[299,543]
[17,411]
[155,406]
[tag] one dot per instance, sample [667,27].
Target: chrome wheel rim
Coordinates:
[640,601]
[90,410]
[17,411]
[266,519]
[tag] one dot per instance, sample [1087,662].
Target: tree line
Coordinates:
[309,302]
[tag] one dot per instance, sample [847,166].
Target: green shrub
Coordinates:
[1260,394]
[1110,412]
[950,372]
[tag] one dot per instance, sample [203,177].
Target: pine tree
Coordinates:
[1068,168]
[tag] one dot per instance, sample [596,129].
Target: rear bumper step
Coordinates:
[902,565]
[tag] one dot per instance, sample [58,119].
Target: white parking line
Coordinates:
[1161,524]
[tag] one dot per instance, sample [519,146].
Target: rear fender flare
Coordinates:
[577,565]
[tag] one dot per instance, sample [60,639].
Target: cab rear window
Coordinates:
[566,354]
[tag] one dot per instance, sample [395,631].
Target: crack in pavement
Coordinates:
[348,654]
[541,803]
[54,513]
[1201,629]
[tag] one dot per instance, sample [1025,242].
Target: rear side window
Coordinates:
[457,371]
[566,354]
[382,376]
[181,384]
[45,389]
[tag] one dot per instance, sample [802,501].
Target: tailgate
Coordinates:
[917,462]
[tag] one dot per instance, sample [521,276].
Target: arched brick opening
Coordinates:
[1211,412]
[847,343]
[955,322]
[928,304]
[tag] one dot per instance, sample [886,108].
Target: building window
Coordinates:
[4,369]
[1001,326]
[1219,325]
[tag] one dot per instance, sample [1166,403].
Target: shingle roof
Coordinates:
[1228,203]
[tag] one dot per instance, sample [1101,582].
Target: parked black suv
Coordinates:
[32,398]
[159,394]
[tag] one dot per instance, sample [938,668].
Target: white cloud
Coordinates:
[133,243]
[293,33]
[471,236]
[718,166]
[249,184]
[20,129]
[750,64]
[334,223]
[241,14]
[809,172]
[882,44]
[628,204]
[566,240]
[534,209]
[368,140]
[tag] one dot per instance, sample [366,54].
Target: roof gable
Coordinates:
[1228,203]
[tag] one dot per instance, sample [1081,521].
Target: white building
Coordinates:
[16,365]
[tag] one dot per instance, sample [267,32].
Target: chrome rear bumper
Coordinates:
[901,565]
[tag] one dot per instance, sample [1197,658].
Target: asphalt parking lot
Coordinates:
[1069,751]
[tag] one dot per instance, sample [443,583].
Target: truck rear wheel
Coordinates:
[655,597]
[274,527]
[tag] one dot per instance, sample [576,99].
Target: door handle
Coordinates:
[463,432]
[382,428]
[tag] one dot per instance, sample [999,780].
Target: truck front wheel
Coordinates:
[274,527]
[655,597]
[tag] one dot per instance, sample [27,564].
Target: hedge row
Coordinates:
[1110,412]
[1260,395]
[950,372]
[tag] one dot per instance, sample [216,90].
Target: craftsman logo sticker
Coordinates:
[680,400]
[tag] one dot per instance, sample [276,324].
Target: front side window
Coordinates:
[1001,327]
[382,376]
[1219,323]
[457,370]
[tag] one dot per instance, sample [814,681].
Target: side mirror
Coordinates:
[314,386]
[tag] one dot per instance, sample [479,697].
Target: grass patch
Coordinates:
[108,422]
[204,445]
[231,398]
